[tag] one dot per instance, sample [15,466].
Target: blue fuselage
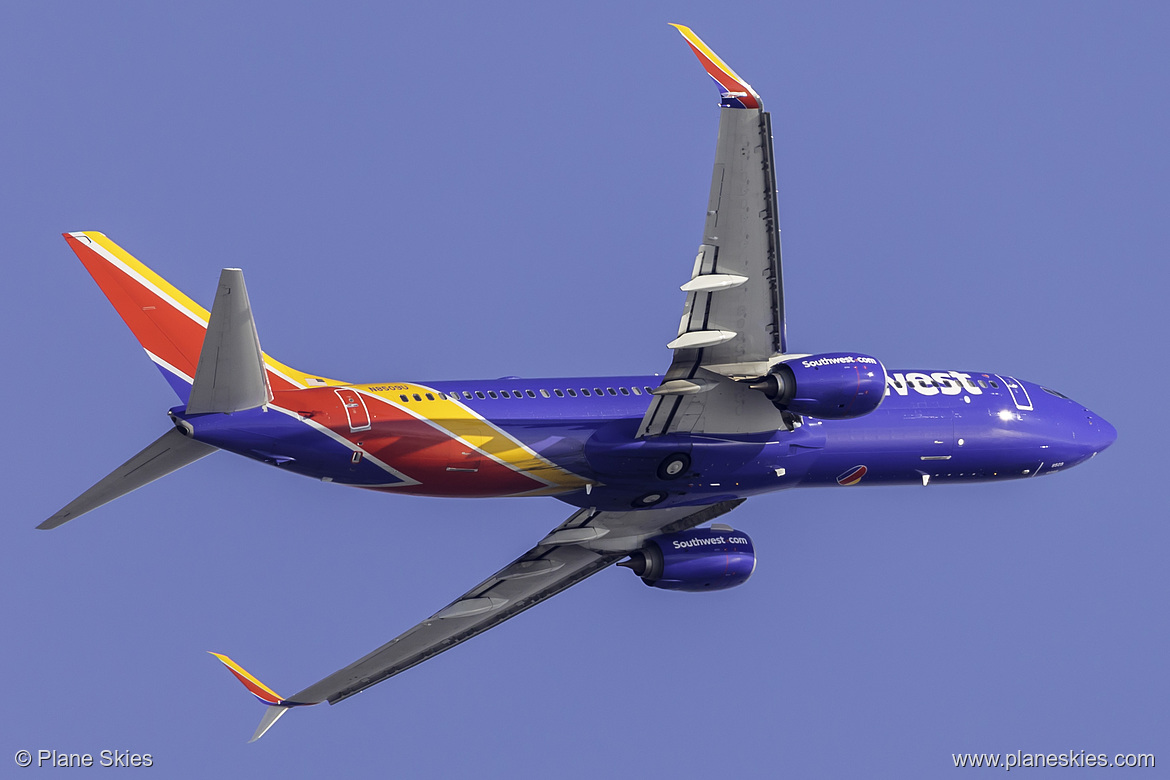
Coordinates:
[932,426]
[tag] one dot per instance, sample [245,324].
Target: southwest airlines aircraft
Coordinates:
[646,460]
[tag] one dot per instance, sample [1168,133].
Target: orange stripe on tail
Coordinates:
[168,324]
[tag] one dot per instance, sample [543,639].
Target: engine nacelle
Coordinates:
[712,558]
[830,386]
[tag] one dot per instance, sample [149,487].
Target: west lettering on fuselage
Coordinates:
[935,382]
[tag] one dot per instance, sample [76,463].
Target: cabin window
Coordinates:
[560,393]
[545,393]
[597,391]
[636,391]
[572,392]
[981,383]
[648,391]
[430,397]
[584,392]
[530,394]
[492,393]
[993,384]
[505,393]
[625,390]
[479,394]
[404,399]
[417,397]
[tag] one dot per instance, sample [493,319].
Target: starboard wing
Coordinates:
[733,318]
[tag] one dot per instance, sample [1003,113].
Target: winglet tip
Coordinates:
[254,686]
[735,91]
[277,705]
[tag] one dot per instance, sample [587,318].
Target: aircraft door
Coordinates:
[355,409]
[1018,392]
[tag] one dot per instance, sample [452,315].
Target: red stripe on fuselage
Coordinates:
[413,447]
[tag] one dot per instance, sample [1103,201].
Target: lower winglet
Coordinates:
[271,715]
[277,705]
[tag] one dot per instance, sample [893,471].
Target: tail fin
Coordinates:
[277,706]
[168,324]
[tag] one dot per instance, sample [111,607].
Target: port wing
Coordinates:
[583,545]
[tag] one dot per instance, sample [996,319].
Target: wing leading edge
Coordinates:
[583,545]
[733,318]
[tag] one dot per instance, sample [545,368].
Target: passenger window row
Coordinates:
[569,392]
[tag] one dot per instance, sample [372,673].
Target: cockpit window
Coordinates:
[1053,392]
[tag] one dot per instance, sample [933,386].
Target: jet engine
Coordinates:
[700,559]
[829,386]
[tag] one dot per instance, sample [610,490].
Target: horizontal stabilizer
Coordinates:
[230,376]
[170,452]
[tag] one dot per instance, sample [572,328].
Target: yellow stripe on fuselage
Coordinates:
[461,422]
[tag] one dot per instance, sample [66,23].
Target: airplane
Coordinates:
[646,461]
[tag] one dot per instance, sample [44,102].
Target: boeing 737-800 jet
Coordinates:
[645,460]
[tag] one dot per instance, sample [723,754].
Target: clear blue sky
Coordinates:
[480,189]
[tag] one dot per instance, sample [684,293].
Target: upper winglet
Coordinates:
[254,686]
[735,92]
[277,705]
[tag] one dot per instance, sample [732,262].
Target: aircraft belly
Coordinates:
[892,445]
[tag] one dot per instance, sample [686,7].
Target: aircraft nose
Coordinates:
[1096,434]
